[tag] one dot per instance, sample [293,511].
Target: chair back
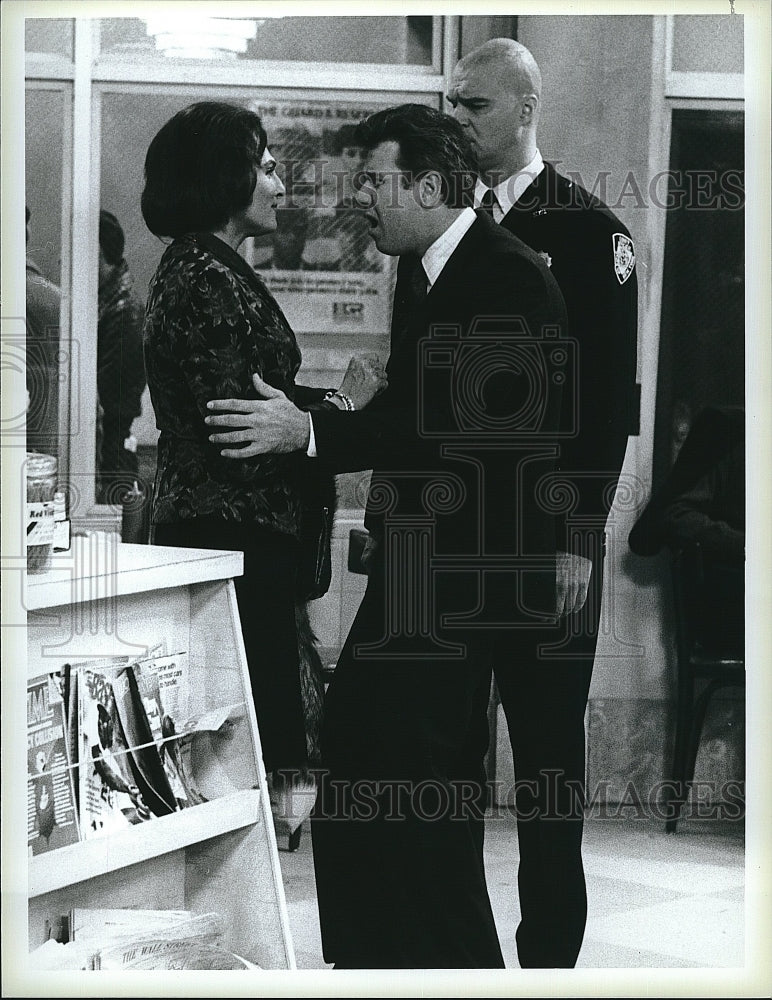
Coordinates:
[708,600]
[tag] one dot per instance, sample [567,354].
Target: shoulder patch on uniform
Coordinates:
[624,257]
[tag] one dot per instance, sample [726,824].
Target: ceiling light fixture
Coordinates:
[196,37]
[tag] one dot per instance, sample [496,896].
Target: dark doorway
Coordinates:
[702,336]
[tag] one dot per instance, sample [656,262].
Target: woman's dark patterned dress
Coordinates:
[210,324]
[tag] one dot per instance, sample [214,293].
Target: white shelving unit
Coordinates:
[106,598]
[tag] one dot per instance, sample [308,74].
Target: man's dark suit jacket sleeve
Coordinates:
[307,396]
[350,442]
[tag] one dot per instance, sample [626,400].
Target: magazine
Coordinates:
[110,931]
[94,930]
[52,814]
[208,739]
[128,736]
[65,678]
[155,953]
[144,758]
[164,686]
[186,743]
[110,798]
[174,683]
[98,924]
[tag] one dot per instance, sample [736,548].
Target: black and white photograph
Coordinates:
[386,419]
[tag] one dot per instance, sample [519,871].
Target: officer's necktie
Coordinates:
[488,201]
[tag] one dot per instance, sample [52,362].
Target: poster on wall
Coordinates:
[321,263]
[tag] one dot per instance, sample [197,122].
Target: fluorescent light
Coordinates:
[196,37]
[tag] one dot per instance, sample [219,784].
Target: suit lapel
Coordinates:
[458,266]
[409,319]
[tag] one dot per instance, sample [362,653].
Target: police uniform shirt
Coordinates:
[592,256]
[509,191]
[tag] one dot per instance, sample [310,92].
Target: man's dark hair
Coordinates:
[201,168]
[111,238]
[428,140]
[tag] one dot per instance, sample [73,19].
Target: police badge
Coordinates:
[624,257]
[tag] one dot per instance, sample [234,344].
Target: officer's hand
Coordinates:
[572,582]
[368,552]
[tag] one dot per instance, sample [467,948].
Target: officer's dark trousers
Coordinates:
[543,678]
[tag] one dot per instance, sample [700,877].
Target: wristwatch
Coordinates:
[346,400]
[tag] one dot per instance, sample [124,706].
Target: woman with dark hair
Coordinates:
[210,182]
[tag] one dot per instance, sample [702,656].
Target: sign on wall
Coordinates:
[321,263]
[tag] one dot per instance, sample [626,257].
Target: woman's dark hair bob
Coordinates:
[201,168]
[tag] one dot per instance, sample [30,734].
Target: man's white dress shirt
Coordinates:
[433,261]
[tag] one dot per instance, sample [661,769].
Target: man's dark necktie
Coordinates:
[410,299]
[488,201]
[419,282]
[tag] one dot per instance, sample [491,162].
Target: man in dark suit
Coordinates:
[496,97]
[459,443]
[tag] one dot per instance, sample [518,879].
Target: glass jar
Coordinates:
[41,487]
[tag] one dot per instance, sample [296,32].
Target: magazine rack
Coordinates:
[106,598]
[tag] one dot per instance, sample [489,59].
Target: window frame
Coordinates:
[91,76]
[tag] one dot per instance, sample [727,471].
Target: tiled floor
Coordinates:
[656,901]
